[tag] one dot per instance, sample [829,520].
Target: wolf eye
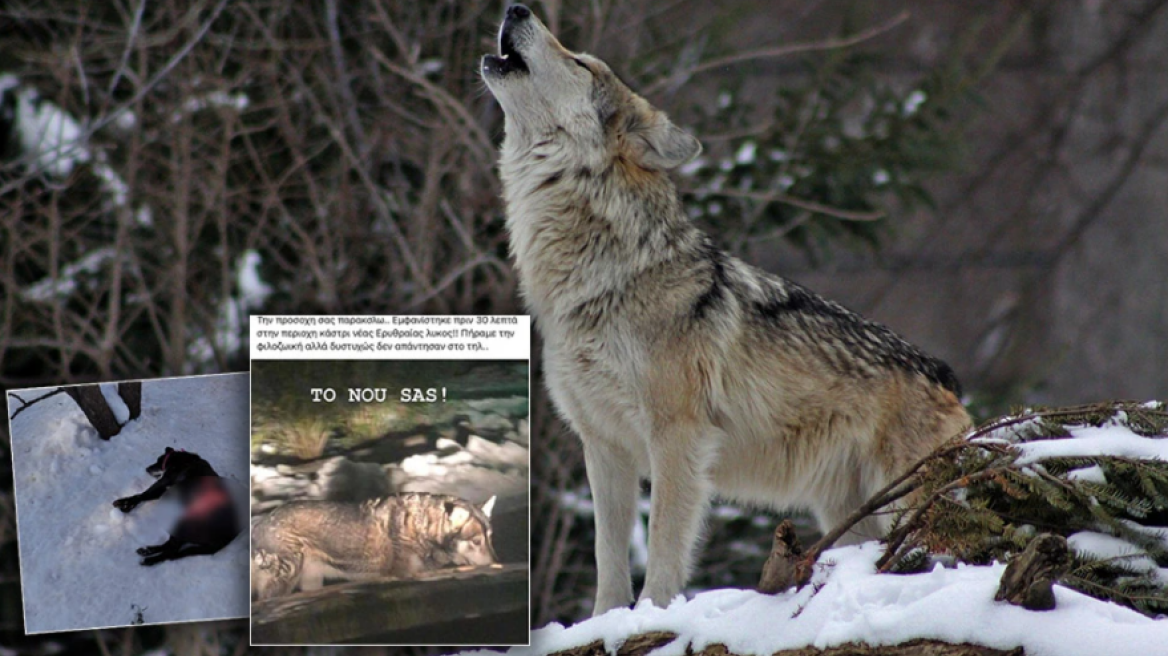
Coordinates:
[582,65]
[477,541]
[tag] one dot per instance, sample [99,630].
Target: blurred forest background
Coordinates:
[989,178]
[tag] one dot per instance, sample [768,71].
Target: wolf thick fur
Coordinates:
[301,542]
[671,359]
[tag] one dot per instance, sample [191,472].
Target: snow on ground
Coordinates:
[848,602]
[77,552]
[476,472]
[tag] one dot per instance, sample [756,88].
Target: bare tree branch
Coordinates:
[785,51]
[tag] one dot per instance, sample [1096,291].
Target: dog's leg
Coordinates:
[157,553]
[150,550]
[181,552]
[680,458]
[126,504]
[612,477]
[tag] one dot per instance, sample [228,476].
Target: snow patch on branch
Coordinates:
[233,314]
[55,143]
[66,282]
[47,134]
[1087,441]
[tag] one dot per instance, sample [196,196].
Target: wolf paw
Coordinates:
[126,504]
[148,562]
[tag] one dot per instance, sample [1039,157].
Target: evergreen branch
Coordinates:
[897,548]
[975,502]
[1114,593]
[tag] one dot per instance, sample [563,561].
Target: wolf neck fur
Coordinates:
[572,220]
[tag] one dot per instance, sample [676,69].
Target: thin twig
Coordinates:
[130,39]
[449,279]
[104,648]
[801,203]
[895,490]
[33,402]
[481,143]
[128,642]
[345,80]
[895,549]
[122,108]
[791,49]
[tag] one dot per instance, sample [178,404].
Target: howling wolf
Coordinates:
[671,359]
[301,542]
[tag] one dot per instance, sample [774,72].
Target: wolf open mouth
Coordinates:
[508,60]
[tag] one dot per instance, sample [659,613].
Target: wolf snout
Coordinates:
[509,32]
[509,60]
[518,12]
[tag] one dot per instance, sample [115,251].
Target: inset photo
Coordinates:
[390,502]
[131,499]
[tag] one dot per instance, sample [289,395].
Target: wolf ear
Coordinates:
[169,450]
[664,145]
[488,506]
[456,514]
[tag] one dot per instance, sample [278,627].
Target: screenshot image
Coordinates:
[390,498]
[131,501]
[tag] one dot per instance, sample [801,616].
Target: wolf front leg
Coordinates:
[681,455]
[612,476]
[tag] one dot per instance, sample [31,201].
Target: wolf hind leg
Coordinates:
[869,528]
[612,477]
[681,455]
[277,573]
[311,575]
[852,487]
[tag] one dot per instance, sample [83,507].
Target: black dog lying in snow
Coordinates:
[209,520]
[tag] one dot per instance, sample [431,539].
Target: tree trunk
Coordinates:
[97,411]
[131,394]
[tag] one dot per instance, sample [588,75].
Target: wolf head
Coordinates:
[550,94]
[468,533]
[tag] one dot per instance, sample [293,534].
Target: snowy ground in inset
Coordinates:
[78,563]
